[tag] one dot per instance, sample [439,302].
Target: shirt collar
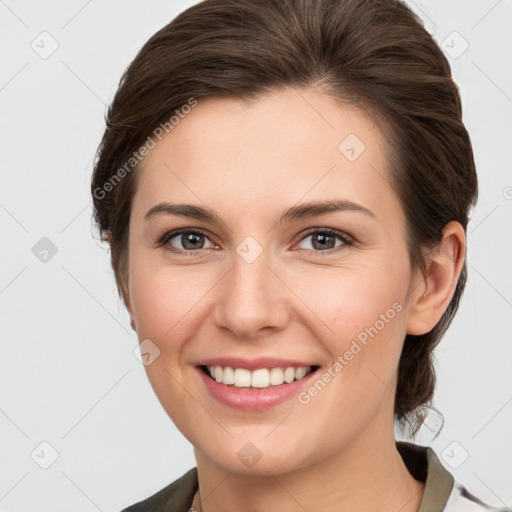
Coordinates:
[424,465]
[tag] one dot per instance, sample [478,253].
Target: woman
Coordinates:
[285,188]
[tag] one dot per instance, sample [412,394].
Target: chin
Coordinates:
[263,457]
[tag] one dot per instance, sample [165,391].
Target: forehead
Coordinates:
[276,150]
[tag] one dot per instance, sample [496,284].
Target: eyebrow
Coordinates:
[295,213]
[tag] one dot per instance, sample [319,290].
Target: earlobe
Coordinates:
[130,312]
[132,319]
[435,290]
[128,304]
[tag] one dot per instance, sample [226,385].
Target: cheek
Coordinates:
[166,302]
[350,301]
[365,316]
[363,312]
[166,305]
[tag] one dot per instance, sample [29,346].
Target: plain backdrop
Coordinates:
[81,427]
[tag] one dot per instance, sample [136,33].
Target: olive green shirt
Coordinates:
[441,494]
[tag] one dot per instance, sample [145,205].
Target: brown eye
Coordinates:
[325,240]
[185,240]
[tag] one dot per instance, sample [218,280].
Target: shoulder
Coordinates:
[461,500]
[175,497]
[442,492]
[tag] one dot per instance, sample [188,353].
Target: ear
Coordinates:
[130,312]
[127,303]
[122,285]
[432,293]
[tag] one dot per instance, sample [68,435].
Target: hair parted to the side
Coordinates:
[374,54]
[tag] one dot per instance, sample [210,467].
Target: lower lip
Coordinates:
[253,399]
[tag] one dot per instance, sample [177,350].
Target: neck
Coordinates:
[368,475]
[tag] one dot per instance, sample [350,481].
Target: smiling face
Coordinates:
[252,281]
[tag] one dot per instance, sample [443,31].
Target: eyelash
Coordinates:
[347,240]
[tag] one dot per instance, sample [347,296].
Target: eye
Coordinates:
[193,240]
[324,240]
[189,239]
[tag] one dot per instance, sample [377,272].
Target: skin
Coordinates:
[250,162]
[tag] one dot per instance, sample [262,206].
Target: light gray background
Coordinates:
[68,373]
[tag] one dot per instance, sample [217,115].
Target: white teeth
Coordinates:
[289,374]
[276,376]
[228,376]
[242,378]
[260,378]
[300,372]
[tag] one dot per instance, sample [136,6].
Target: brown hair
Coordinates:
[372,53]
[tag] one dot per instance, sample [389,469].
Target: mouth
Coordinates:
[260,378]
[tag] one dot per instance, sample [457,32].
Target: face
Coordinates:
[267,280]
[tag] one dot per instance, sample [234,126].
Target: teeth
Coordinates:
[289,375]
[228,375]
[300,372]
[261,378]
[276,376]
[242,377]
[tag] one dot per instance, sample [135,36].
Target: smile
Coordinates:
[257,389]
[259,378]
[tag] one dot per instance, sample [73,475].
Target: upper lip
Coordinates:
[253,364]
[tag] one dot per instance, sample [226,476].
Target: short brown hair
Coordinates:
[375,54]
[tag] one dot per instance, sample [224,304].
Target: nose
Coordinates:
[251,300]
